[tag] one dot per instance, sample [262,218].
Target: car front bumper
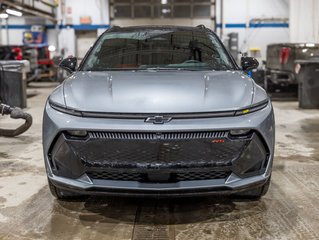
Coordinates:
[86,186]
[261,122]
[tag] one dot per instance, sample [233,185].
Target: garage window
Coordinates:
[201,11]
[122,11]
[142,11]
[182,11]
[162,11]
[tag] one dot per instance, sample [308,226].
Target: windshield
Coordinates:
[158,49]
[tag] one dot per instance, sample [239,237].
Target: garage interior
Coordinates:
[283,35]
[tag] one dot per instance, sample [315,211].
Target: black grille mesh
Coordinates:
[154,136]
[143,177]
[201,175]
[142,151]
[147,150]
[157,154]
[115,176]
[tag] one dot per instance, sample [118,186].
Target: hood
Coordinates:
[158,91]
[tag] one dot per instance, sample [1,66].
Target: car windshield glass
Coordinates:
[152,49]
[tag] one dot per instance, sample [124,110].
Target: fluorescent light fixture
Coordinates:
[52,48]
[14,12]
[310,45]
[163,1]
[164,10]
[4,15]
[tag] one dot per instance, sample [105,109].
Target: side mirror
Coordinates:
[249,63]
[69,64]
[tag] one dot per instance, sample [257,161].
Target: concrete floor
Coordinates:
[290,210]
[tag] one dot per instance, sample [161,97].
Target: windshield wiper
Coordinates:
[111,69]
[150,69]
[171,69]
[157,68]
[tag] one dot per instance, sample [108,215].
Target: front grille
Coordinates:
[123,157]
[170,177]
[154,135]
[151,150]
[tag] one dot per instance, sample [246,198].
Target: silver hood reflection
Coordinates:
[158,91]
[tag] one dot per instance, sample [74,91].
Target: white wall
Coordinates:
[304,21]
[15,35]
[241,12]
[98,10]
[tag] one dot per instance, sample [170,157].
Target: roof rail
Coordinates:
[115,27]
[201,26]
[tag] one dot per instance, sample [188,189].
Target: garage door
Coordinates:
[163,12]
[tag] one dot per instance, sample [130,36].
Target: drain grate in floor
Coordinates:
[153,222]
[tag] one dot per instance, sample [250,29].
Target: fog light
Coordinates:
[239,132]
[77,133]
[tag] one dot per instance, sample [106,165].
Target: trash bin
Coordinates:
[308,80]
[259,76]
[13,82]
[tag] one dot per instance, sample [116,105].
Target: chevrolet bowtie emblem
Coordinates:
[158,119]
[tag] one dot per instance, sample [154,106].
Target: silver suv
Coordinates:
[158,111]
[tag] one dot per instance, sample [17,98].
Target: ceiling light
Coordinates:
[14,12]
[4,15]
[164,10]
[163,1]
[310,45]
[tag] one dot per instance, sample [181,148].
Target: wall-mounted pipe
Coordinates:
[221,18]
[268,20]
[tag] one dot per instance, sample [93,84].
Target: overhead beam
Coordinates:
[53,5]
[30,10]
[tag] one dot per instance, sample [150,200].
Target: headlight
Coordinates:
[253,108]
[239,132]
[63,109]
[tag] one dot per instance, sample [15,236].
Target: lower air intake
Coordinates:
[165,177]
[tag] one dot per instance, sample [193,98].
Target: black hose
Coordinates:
[15,113]
[1,79]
